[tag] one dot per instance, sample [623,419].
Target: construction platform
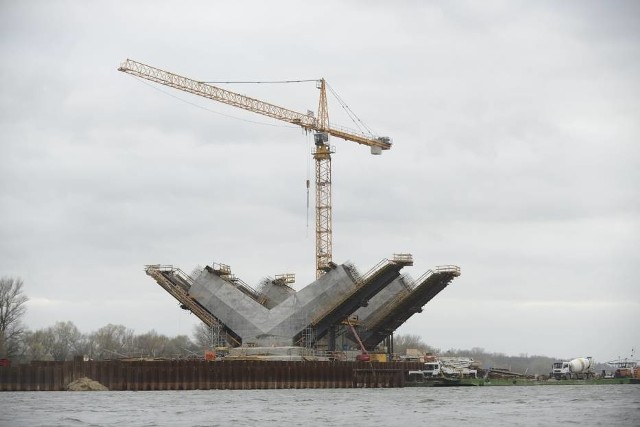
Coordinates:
[322,316]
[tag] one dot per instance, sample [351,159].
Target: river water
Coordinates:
[605,405]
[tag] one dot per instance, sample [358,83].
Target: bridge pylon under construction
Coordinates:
[274,314]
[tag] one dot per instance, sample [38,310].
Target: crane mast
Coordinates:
[322,156]
[318,124]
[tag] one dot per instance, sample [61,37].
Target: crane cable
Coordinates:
[354,118]
[213,111]
[263,81]
[308,177]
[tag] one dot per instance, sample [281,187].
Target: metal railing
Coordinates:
[448,269]
[352,271]
[221,269]
[174,271]
[224,272]
[422,278]
[373,272]
[286,278]
[405,259]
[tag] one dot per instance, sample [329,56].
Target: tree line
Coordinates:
[63,340]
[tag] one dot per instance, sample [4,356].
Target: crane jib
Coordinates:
[306,121]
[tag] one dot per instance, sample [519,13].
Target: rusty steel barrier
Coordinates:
[205,375]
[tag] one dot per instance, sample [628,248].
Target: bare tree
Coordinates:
[66,339]
[180,346]
[12,309]
[36,345]
[150,344]
[111,342]
[58,342]
[203,336]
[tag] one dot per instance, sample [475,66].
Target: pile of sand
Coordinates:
[86,384]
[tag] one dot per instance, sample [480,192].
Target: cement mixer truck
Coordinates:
[579,369]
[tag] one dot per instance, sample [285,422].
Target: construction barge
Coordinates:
[461,371]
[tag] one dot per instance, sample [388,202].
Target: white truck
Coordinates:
[453,367]
[579,369]
[430,370]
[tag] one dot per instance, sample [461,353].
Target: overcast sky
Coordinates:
[515,128]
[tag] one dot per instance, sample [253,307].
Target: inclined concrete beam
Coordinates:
[406,307]
[359,297]
[392,291]
[276,293]
[229,304]
[177,286]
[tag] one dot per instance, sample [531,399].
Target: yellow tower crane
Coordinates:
[318,124]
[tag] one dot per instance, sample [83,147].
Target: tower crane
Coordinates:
[318,124]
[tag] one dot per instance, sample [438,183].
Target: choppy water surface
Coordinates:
[615,405]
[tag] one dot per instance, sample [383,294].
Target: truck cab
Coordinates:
[430,370]
[560,370]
